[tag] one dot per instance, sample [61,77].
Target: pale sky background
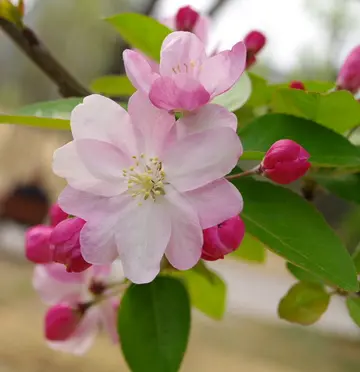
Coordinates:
[289,25]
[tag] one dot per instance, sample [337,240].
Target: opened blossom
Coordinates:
[187,77]
[70,325]
[147,185]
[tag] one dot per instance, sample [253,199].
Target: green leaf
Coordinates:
[113,85]
[237,95]
[353,306]
[295,230]
[310,85]
[251,249]
[33,121]
[154,325]
[59,109]
[11,13]
[141,32]
[207,290]
[304,303]
[326,147]
[260,94]
[303,275]
[356,258]
[347,186]
[339,110]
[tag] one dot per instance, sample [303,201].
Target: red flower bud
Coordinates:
[349,75]
[250,60]
[254,41]
[285,162]
[66,241]
[222,239]
[37,244]
[186,19]
[61,322]
[297,85]
[57,215]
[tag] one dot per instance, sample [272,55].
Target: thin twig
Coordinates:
[30,44]
[216,7]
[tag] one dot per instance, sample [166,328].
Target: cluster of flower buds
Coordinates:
[59,242]
[254,42]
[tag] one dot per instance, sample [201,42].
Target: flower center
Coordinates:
[145,179]
[190,67]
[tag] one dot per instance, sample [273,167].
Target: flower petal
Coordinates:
[153,123]
[103,119]
[215,202]
[68,164]
[181,52]
[207,117]
[108,319]
[185,245]
[83,337]
[104,160]
[53,291]
[201,29]
[138,70]
[179,92]
[142,234]
[201,158]
[220,72]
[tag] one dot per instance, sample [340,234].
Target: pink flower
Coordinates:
[187,78]
[223,239]
[295,84]
[37,244]
[254,42]
[70,291]
[61,321]
[145,186]
[65,239]
[188,19]
[57,215]
[285,162]
[349,75]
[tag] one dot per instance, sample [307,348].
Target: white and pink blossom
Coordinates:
[145,185]
[187,77]
[67,293]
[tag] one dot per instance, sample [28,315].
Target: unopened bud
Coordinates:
[254,41]
[57,214]
[285,162]
[66,241]
[222,239]
[186,19]
[349,75]
[295,84]
[37,244]
[61,322]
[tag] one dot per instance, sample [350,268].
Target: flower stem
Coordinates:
[250,172]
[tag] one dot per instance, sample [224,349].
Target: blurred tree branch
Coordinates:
[216,7]
[29,43]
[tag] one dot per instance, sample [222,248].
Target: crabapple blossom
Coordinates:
[147,185]
[56,215]
[37,244]
[285,162]
[70,296]
[349,75]
[223,239]
[187,78]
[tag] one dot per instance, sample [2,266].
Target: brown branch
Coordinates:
[29,43]
[216,7]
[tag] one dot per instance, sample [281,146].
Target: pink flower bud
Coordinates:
[37,244]
[250,60]
[66,241]
[254,41]
[297,85]
[186,19]
[222,239]
[349,75]
[57,215]
[285,162]
[61,322]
